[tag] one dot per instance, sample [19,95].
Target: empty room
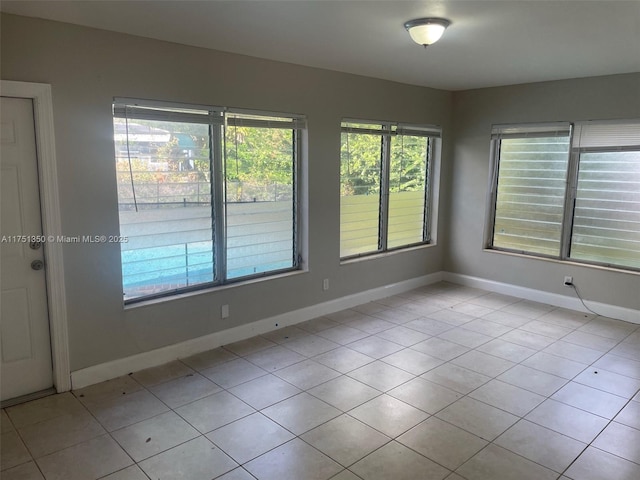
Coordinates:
[320,239]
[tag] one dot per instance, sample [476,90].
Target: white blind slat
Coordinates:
[213,116]
[346,128]
[432,131]
[173,115]
[290,123]
[606,226]
[615,134]
[533,130]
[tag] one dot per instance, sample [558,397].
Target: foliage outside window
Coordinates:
[384,186]
[205,196]
[568,193]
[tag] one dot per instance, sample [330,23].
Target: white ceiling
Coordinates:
[489,43]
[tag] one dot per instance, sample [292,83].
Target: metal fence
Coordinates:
[160,193]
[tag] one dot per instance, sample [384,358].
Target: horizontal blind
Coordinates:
[367,128]
[606,225]
[141,112]
[618,134]
[133,109]
[532,130]
[432,131]
[264,121]
[530,193]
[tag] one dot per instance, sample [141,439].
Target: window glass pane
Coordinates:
[164,199]
[407,184]
[260,200]
[360,162]
[530,196]
[606,226]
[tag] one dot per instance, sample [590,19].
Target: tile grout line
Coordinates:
[364,316]
[610,421]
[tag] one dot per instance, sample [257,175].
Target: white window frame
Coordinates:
[629,140]
[387,130]
[218,118]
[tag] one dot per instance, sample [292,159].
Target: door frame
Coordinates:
[40,94]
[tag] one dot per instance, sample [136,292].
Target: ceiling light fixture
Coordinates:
[426,31]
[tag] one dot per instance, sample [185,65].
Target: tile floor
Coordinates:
[441,382]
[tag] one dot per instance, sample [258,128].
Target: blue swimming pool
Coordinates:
[189,264]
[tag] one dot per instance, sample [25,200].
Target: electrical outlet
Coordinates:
[568,281]
[224,311]
[325,284]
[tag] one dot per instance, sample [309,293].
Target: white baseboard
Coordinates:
[123,366]
[106,371]
[573,303]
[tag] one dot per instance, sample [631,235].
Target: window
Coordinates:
[568,193]
[205,196]
[606,220]
[385,174]
[531,181]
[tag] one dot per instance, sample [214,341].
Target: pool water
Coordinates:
[184,265]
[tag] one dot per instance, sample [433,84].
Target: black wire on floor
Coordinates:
[575,288]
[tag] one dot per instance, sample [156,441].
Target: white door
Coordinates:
[25,344]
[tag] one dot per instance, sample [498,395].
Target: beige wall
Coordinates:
[474,112]
[88,67]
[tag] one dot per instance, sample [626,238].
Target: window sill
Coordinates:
[563,262]
[213,289]
[388,253]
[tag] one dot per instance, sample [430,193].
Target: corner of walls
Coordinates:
[563,301]
[474,112]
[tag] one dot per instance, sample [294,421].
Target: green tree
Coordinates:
[408,163]
[360,162]
[259,155]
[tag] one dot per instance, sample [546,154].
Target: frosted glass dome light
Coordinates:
[426,31]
